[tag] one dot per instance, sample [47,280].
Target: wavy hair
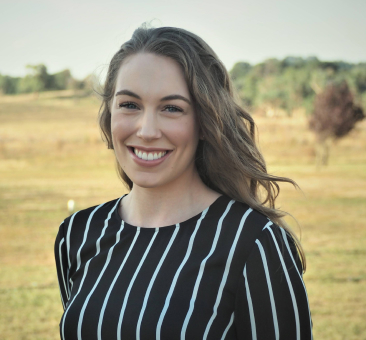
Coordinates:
[228,159]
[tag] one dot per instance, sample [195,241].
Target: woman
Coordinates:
[192,251]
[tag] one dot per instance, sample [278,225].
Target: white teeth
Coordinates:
[149,156]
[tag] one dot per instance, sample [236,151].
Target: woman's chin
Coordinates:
[147,182]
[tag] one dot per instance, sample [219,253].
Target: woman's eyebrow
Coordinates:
[170,97]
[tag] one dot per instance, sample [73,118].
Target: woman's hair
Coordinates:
[228,160]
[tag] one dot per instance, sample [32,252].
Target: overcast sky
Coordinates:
[83,35]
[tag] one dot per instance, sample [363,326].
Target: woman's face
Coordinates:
[154,129]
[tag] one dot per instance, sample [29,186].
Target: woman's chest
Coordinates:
[151,287]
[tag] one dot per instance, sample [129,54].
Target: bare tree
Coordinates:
[334,116]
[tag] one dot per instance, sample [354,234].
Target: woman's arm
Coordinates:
[62,265]
[271,301]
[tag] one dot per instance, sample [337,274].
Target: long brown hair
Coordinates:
[228,160]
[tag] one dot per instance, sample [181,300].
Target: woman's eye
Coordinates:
[173,109]
[127,105]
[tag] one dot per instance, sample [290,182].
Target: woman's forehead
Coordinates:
[151,74]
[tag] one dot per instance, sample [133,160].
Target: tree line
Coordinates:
[294,82]
[38,79]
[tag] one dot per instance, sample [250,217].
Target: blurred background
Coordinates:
[298,67]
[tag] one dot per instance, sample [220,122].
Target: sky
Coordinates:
[84,35]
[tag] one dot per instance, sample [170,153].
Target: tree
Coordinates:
[334,116]
[240,70]
[61,80]
[8,85]
[36,81]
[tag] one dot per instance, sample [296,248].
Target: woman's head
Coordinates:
[227,160]
[209,85]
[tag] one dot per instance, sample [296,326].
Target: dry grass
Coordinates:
[50,151]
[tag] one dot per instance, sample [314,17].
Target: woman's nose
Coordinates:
[149,126]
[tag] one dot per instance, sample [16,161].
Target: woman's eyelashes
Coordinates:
[127,105]
[133,106]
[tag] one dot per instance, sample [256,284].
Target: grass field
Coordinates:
[51,151]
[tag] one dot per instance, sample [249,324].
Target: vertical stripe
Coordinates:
[228,327]
[146,298]
[296,312]
[175,279]
[68,308]
[81,316]
[59,263]
[68,252]
[201,270]
[250,306]
[62,299]
[86,266]
[85,235]
[68,237]
[125,300]
[290,252]
[226,272]
[69,282]
[62,267]
[303,284]
[101,316]
[273,306]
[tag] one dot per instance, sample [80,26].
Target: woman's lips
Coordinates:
[147,163]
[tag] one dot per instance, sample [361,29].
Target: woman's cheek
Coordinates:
[181,130]
[120,127]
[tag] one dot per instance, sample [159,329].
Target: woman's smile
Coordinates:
[148,158]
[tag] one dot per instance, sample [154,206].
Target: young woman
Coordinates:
[193,251]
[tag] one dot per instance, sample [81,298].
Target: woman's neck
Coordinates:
[166,205]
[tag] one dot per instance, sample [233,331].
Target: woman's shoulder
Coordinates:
[257,232]
[241,215]
[248,225]
[100,211]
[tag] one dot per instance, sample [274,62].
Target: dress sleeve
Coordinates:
[271,299]
[62,265]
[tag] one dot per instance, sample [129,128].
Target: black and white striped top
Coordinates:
[226,273]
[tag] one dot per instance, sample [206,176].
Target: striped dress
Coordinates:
[226,273]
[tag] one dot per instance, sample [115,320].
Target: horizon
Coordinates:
[102,73]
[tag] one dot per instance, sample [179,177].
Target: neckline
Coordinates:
[189,221]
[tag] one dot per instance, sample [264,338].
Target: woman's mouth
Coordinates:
[148,158]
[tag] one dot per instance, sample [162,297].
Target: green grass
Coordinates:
[51,151]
